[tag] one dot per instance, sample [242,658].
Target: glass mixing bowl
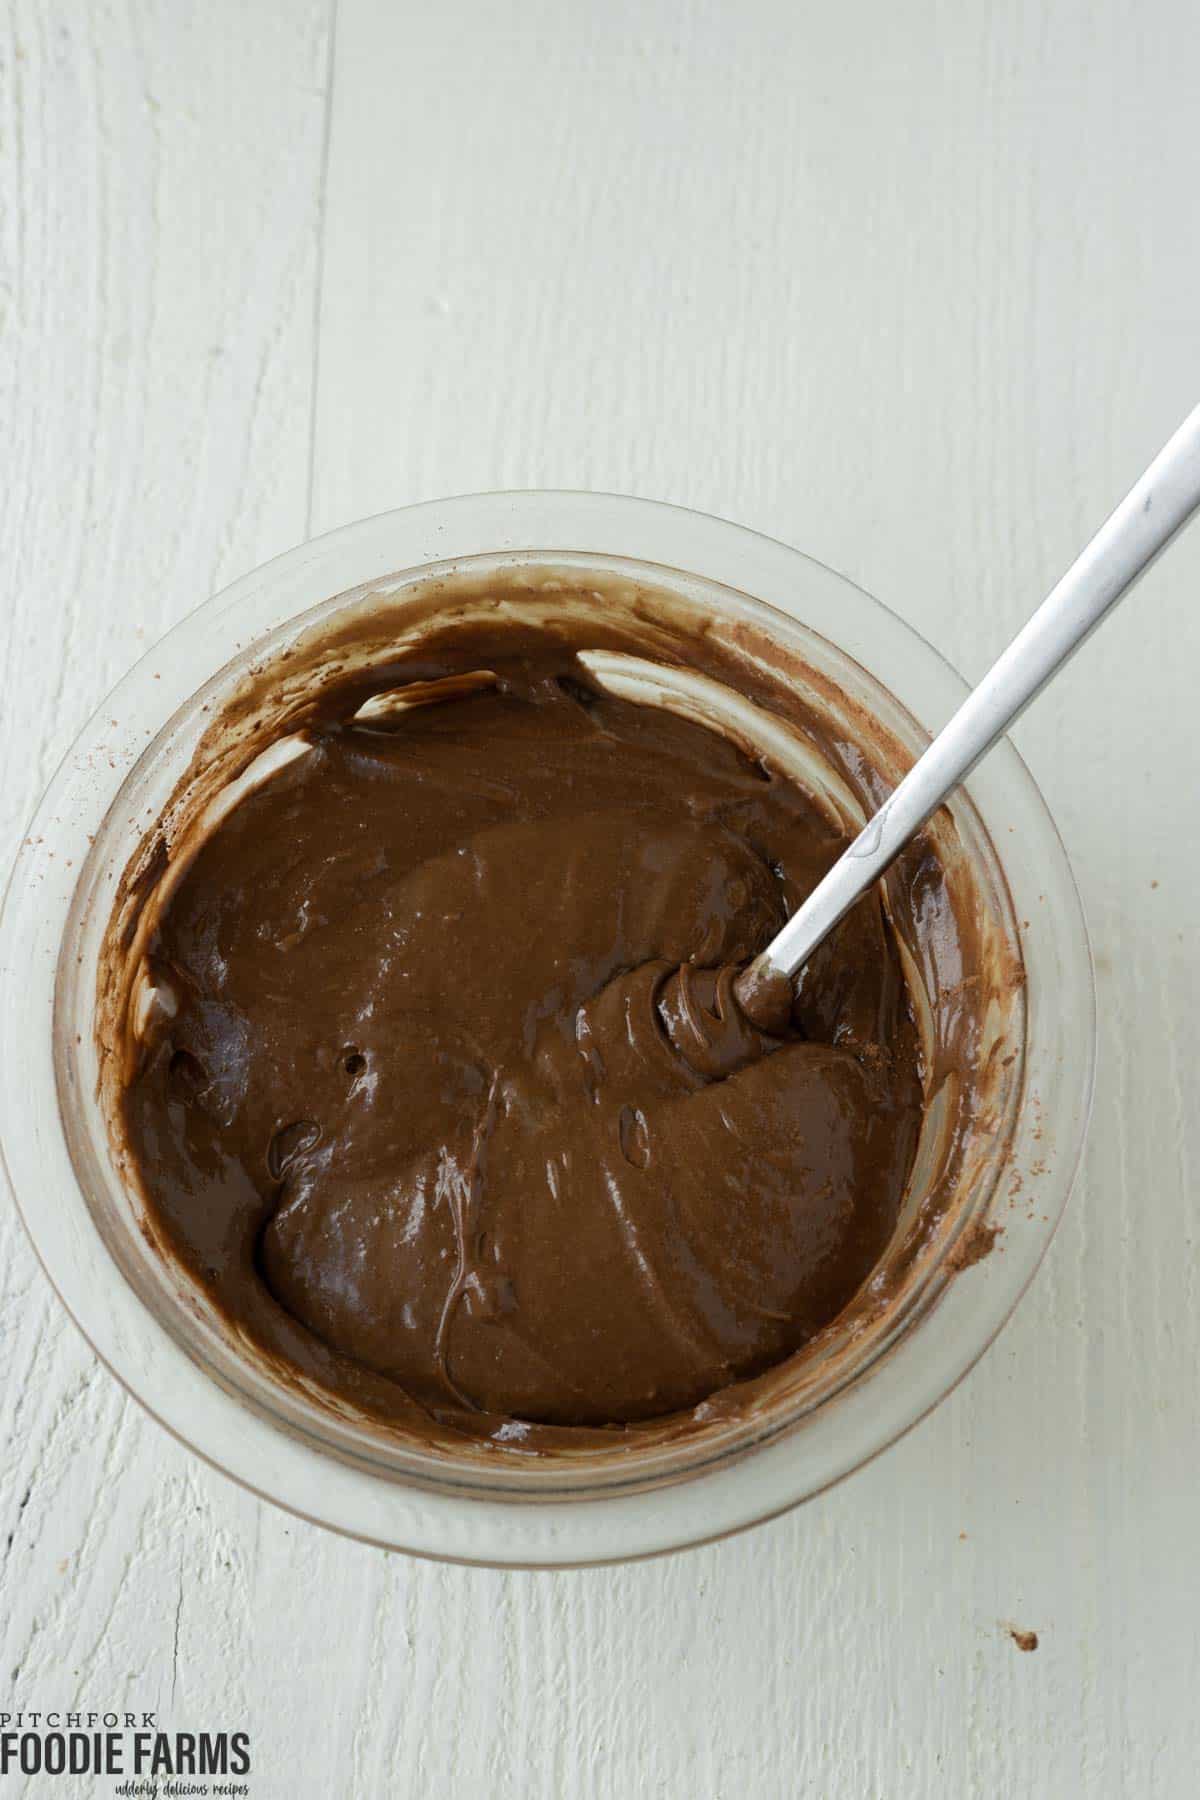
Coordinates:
[155,1331]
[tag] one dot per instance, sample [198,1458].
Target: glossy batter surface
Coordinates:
[416,1120]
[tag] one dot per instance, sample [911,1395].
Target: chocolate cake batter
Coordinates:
[449,1099]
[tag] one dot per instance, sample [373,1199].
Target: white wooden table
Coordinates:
[912,285]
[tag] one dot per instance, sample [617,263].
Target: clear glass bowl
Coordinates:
[154,1332]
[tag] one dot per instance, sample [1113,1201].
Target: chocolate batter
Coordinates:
[454,1107]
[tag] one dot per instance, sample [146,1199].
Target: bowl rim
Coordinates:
[919,1370]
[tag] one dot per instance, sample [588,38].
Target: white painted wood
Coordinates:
[161,168]
[910,285]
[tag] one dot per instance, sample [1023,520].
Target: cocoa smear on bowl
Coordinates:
[357,1169]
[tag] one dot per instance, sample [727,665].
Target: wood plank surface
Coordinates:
[911,286]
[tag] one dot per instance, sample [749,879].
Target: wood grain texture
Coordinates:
[161,203]
[911,286]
